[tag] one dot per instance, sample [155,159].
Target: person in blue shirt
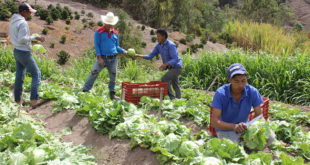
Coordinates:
[107,47]
[232,104]
[171,61]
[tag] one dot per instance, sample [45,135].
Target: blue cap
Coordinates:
[235,69]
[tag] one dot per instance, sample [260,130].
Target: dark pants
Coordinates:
[172,78]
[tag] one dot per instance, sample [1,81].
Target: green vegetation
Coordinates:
[63,57]
[44,31]
[154,39]
[265,37]
[63,39]
[281,78]
[170,139]
[52,44]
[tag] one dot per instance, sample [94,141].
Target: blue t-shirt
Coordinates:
[232,111]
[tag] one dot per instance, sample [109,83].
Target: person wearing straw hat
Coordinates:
[171,61]
[21,39]
[232,104]
[107,47]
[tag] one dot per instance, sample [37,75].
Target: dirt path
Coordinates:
[302,11]
[107,151]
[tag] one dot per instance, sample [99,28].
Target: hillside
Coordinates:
[302,11]
[79,39]
[121,133]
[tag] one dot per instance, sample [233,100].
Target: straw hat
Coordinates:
[109,19]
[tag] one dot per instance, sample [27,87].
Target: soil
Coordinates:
[107,151]
[302,12]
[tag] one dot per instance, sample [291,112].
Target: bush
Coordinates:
[4,13]
[11,6]
[50,7]
[68,21]
[63,57]
[176,44]
[63,39]
[99,23]
[152,32]
[84,20]
[44,31]
[91,24]
[90,14]
[55,14]
[52,45]
[77,16]
[65,14]
[143,44]
[67,27]
[43,14]
[49,20]
[183,41]
[298,27]
[85,26]
[83,12]
[154,39]
[190,37]
[203,40]
[138,27]
[143,28]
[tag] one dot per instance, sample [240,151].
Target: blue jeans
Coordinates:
[24,60]
[111,64]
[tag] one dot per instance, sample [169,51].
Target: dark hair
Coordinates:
[23,7]
[162,32]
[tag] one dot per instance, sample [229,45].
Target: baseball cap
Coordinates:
[235,69]
[27,7]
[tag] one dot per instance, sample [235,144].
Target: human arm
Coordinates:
[23,34]
[118,48]
[152,54]
[257,101]
[97,41]
[97,48]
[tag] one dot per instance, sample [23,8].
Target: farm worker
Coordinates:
[232,104]
[107,47]
[171,61]
[21,39]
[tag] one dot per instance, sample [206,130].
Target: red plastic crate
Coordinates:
[264,106]
[132,92]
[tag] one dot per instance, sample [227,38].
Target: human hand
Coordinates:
[125,52]
[100,60]
[163,67]
[40,38]
[240,128]
[139,55]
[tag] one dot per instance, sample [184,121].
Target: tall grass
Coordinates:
[46,66]
[7,60]
[265,37]
[281,78]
